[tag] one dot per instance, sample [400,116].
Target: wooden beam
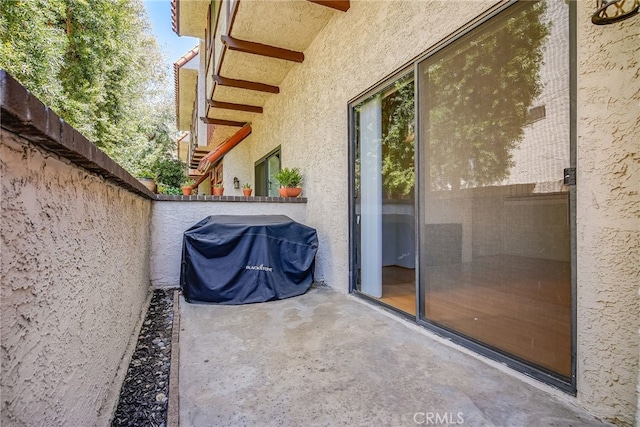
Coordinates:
[262,49]
[215,155]
[221,122]
[235,107]
[245,84]
[341,5]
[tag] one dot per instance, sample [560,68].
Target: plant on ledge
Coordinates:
[187,186]
[290,180]
[246,189]
[218,190]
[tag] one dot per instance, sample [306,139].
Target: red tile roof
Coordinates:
[174,16]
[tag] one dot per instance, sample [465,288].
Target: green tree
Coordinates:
[152,144]
[98,66]
[33,43]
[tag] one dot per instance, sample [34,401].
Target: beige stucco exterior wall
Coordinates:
[359,48]
[608,215]
[309,117]
[74,284]
[238,163]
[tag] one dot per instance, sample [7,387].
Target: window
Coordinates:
[265,171]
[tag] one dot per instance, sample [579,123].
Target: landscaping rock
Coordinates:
[143,397]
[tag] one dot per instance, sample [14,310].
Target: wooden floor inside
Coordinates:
[399,288]
[515,304]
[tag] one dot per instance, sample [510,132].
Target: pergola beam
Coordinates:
[341,5]
[234,107]
[245,84]
[262,49]
[221,122]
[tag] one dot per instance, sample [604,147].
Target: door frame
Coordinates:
[567,385]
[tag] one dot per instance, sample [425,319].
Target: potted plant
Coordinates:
[246,189]
[218,189]
[290,180]
[187,186]
[147,179]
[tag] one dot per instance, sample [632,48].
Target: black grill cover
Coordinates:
[236,259]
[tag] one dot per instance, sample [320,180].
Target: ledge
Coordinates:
[24,115]
[257,199]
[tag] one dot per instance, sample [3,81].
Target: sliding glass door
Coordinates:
[384,194]
[495,221]
[479,204]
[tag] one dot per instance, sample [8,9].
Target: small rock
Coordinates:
[143,398]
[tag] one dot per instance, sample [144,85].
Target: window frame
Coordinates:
[264,191]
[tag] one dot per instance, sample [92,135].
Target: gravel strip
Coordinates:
[145,390]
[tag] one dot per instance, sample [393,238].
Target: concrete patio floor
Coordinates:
[327,359]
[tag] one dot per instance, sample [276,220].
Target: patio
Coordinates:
[325,358]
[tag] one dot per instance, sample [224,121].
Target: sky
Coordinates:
[159,13]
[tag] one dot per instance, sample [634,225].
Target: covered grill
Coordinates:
[236,259]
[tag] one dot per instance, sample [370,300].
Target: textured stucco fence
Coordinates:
[170,219]
[75,268]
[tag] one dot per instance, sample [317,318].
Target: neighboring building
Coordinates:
[439,143]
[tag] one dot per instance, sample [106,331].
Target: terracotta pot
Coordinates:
[186,190]
[290,191]
[150,183]
[247,192]
[218,191]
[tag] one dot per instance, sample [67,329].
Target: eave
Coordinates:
[256,46]
[189,17]
[185,89]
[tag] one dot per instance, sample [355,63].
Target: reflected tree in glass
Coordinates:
[398,136]
[477,99]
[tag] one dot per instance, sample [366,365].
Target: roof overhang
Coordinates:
[266,39]
[190,17]
[186,80]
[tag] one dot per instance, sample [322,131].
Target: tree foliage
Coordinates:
[398,139]
[33,43]
[478,97]
[96,63]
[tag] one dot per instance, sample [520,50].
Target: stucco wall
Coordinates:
[239,164]
[608,215]
[74,282]
[308,118]
[358,48]
[170,220]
